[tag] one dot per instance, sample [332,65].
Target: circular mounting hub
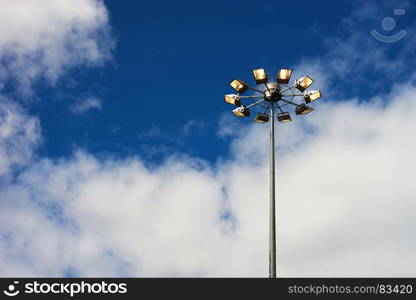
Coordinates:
[273,97]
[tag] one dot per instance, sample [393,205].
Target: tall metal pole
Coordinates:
[271,96]
[272,220]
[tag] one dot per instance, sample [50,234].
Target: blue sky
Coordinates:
[116,144]
[172,64]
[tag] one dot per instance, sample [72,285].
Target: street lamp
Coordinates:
[303,109]
[260,76]
[272,96]
[239,85]
[312,96]
[232,99]
[241,111]
[303,83]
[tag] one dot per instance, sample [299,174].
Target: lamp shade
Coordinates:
[261,118]
[260,76]
[303,83]
[312,96]
[303,109]
[284,76]
[284,117]
[232,99]
[239,85]
[241,111]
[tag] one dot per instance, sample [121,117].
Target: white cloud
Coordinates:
[192,126]
[85,105]
[345,202]
[19,135]
[44,38]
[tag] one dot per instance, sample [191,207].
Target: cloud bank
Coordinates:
[43,39]
[345,203]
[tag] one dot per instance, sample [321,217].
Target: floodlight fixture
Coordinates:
[284,118]
[260,76]
[241,111]
[272,86]
[312,95]
[303,109]
[271,89]
[272,98]
[239,85]
[303,83]
[284,76]
[232,99]
[261,118]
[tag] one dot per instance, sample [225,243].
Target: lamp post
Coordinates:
[269,97]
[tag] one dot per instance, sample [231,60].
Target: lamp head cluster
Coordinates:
[274,95]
